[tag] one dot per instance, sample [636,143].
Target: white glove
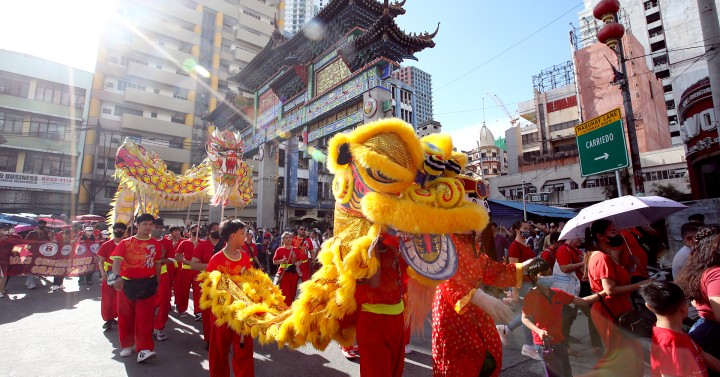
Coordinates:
[497,309]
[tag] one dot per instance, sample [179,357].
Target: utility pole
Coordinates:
[524,205]
[711,33]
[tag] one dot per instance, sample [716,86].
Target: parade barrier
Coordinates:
[43,258]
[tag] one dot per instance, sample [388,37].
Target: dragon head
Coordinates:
[406,186]
[231,175]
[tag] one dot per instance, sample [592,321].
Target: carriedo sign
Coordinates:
[601,144]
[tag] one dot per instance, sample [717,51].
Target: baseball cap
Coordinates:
[89,229]
[105,233]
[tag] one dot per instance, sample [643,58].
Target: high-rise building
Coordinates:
[163,65]
[670,34]
[42,126]
[422,81]
[299,13]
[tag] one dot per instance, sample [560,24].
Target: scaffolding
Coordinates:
[586,33]
[554,77]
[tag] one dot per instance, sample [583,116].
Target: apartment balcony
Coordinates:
[170,30]
[654,24]
[243,55]
[656,38]
[227,54]
[110,69]
[254,23]
[39,107]
[156,100]
[260,7]
[252,38]
[139,45]
[157,126]
[44,143]
[222,6]
[174,9]
[153,74]
[651,10]
[527,110]
[669,96]
[170,154]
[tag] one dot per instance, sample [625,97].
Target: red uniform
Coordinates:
[135,317]
[567,254]
[222,337]
[675,354]
[186,277]
[204,254]
[288,278]
[544,312]
[108,294]
[549,257]
[304,244]
[462,332]
[252,251]
[380,324]
[623,356]
[164,293]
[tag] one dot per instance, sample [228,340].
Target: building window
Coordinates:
[121,110]
[49,129]
[14,85]
[8,160]
[11,123]
[153,115]
[110,192]
[573,185]
[281,158]
[105,110]
[59,94]
[280,186]
[302,187]
[47,164]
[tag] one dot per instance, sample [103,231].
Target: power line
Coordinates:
[509,48]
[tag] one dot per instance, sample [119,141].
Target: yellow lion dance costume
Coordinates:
[387,181]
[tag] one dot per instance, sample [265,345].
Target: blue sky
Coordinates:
[471,33]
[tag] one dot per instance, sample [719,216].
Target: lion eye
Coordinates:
[379,176]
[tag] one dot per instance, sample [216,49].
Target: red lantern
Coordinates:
[610,34]
[606,10]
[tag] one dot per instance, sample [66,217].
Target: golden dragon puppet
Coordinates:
[146,185]
[387,181]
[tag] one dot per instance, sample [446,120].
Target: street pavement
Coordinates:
[60,333]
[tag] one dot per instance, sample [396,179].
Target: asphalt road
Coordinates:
[60,334]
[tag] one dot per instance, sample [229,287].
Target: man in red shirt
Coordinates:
[108,294]
[166,278]
[304,245]
[136,275]
[230,261]
[550,252]
[519,252]
[186,276]
[200,259]
[5,234]
[42,233]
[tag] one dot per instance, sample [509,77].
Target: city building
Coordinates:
[43,108]
[422,82]
[306,90]
[673,46]
[298,13]
[488,159]
[544,154]
[162,66]
[428,127]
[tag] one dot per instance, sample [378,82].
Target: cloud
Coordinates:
[466,138]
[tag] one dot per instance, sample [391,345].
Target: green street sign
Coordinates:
[539,197]
[601,144]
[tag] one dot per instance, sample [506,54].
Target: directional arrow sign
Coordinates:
[601,144]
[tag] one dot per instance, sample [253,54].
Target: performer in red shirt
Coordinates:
[290,259]
[186,276]
[166,280]
[201,257]
[108,294]
[230,261]
[136,261]
[250,248]
[305,247]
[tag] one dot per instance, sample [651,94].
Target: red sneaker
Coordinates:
[351,352]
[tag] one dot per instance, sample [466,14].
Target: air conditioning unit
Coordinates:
[110,85]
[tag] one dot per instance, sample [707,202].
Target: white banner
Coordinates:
[35,182]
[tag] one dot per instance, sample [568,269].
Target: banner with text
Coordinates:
[35,181]
[20,257]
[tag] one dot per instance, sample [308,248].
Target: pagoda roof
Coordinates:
[338,17]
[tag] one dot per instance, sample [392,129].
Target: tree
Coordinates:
[669,191]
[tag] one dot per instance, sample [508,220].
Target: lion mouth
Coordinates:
[433,256]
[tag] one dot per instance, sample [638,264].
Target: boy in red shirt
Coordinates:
[304,245]
[230,261]
[108,297]
[540,312]
[186,276]
[166,279]
[672,351]
[136,275]
[200,259]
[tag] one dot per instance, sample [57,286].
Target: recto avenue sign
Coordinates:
[601,144]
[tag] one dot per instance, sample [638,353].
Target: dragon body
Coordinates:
[146,185]
[388,183]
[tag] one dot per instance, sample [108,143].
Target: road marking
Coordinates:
[413,362]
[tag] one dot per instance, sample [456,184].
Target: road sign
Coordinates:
[601,144]
[539,197]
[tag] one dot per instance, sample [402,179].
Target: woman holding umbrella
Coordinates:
[623,356]
[700,280]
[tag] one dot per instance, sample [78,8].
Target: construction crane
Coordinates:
[499,102]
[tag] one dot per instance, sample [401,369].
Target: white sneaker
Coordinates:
[126,352]
[2,295]
[56,287]
[503,331]
[160,335]
[530,351]
[145,355]
[408,349]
